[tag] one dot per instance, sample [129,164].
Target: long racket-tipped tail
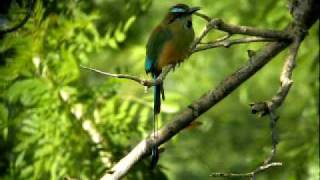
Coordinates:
[156,110]
[157,99]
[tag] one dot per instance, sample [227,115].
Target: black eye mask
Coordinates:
[189,24]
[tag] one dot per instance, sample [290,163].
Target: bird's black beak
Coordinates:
[193,10]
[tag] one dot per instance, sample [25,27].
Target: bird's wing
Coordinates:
[155,45]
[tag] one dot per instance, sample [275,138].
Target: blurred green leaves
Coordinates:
[45,104]
[27,92]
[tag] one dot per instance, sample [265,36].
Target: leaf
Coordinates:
[27,92]
[144,120]
[3,113]
[129,23]
[20,159]
[67,69]
[119,34]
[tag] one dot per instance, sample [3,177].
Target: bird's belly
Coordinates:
[171,55]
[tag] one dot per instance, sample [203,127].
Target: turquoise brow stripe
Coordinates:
[178,10]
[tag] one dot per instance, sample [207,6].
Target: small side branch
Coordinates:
[251,174]
[246,30]
[143,82]
[263,108]
[230,42]
[269,107]
[260,35]
[274,138]
[219,24]
[267,163]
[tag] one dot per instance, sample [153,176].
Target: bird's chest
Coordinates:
[176,50]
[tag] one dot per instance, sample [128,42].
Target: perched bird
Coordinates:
[169,43]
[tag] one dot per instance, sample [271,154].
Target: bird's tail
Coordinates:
[158,90]
[157,99]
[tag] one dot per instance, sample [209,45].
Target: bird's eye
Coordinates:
[189,24]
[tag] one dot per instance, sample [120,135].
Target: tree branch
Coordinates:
[229,42]
[276,101]
[246,30]
[264,35]
[267,163]
[143,82]
[266,107]
[274,138]
[251,174]
[219,24]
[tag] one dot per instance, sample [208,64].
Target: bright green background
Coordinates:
[47,101]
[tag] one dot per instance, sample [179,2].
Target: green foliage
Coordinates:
[57,120]
[46,105]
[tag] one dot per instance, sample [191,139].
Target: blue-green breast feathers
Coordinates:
[154,47]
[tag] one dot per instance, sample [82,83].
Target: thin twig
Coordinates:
[246,30]
[147,83]
[266,107]
[285,78]
[205,17]
[267,163]
[249,174]
[229,42]
[269,107]
[223,38]
[262,34]
[274,138]
[203,34]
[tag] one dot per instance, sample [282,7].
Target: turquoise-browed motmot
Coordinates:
[169,43]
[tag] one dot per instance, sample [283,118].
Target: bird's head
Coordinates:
[180,15]
[182,10]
